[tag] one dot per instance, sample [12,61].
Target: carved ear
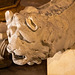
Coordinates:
[8,16]
[31,24]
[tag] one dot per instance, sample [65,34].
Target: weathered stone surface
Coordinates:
[62,63]
[55,7]
[34,35]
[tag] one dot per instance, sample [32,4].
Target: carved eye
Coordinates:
[31,24]
[20,36]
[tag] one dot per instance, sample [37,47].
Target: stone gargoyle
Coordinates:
[34,34]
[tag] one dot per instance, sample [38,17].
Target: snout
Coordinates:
[9,49]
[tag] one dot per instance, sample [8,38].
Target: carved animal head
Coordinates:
[31,35]
[28,37]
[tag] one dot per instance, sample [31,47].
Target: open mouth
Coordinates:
[18,56]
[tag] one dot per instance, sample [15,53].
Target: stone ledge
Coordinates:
[62,63]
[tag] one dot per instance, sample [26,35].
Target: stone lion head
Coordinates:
[28,36]
[34,34]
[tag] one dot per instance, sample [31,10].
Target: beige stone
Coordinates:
[62,63]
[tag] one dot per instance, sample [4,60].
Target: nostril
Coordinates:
[9,49]
[9,34]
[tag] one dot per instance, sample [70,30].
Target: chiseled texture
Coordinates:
[34,34]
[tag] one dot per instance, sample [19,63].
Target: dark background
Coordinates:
[35,3]
[25,70]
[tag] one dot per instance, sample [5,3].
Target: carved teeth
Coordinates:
[30,63]
[19,61]
[19,56]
